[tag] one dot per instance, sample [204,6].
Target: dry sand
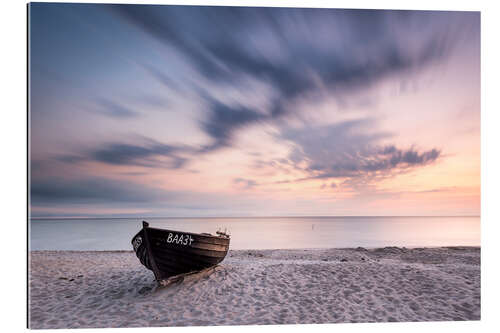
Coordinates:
[112,289]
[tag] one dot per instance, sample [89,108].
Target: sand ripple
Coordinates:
[112,289]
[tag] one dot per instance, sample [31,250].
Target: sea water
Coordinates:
[263,232]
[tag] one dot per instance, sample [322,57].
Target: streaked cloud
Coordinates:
[348,150]
[358,48]
[224,120]
[93,190]
[243,108]
[113,109]
[147,154]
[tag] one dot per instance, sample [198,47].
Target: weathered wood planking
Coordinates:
[170,253]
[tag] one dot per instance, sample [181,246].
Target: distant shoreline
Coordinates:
[90,289]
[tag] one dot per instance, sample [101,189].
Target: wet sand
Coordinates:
[112,289]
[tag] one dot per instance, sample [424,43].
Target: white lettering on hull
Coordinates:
[179,239]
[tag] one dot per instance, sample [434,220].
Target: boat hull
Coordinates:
[169,253]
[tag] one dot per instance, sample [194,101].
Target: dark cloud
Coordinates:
[295,51]
[223,121]
[93,190]
[349,150]
[216,40]
[149,154]
[409,157]
[118,153]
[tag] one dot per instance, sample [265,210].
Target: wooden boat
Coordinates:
[170,253]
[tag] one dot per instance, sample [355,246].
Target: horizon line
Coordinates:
[235,217]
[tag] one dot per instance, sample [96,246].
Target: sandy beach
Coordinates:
[112,289]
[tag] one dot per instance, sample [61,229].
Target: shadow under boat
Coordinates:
[173,255]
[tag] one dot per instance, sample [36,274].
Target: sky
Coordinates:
[141,110]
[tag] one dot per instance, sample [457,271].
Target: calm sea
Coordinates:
[264,233]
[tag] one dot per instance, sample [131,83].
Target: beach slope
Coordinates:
[112,289]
